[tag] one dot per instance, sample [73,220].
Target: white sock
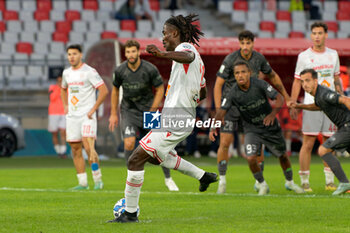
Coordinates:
[63,149]
[222,179]
[82,179]
[304,177]
[97,175]
[133,186]
[57,148]
[173,161]
[329,175]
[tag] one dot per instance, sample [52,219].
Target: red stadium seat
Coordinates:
[2,5]
[128,25]
[9,15]
[2,26]
[60,37]
[344,6]
[24,47]
[41,15]
[240,5]
[72,15]
[267,26]
[332,26]
[343,15]
[63,26]
[296,35]
[154,5]
[90,5]
[43,5]
[109,35]
[283,15]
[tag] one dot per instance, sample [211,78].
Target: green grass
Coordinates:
[37,199]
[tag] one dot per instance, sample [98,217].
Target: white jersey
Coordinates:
[81,84]
[326,64]
[185,83]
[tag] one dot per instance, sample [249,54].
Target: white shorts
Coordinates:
[56,122]
[79,127]
[315,122]
[159,144]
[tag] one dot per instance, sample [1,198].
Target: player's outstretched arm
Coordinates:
[203,93]
[310,107]
[269,119]
[295,93]
[158,96]
[219,83]
[113,118]
[102,94]
[337,85]
[219,116]
[345,100]
[277,83]
[185,57]
[64,97]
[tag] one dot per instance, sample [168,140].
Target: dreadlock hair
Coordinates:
[188,32]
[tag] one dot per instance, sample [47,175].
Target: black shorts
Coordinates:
[273,140]
[340,140]
[232,121]
[132,125]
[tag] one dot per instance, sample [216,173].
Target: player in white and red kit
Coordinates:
[79,86]
[326,62]
[186,88]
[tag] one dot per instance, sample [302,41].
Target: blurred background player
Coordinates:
[225,78]
[186,88]
[78,93]
[291,128]
[326,62]
[337,108]
[57,118]
[137,77]
[251,97]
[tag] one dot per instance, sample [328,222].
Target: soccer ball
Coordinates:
[119,208]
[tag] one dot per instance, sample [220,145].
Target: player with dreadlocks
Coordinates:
[186,87]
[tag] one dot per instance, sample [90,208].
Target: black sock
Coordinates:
[335,166]
[288,173]
[166,172]
[261,165]
[259,176]
[222,167]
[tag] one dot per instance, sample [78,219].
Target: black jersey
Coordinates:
[328,101]
[257,63]
[253,104]
[137,85]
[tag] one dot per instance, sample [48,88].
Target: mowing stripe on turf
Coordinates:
[174,193]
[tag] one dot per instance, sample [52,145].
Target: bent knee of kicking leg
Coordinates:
[137,160]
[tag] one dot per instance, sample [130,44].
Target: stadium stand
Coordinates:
[37,32]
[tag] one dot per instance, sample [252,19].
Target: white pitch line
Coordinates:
[176,193]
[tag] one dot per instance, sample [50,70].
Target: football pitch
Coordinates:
[35,197]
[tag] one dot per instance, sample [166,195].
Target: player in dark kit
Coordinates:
[137,77]
[337,108]
[251,97]
[225,77]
